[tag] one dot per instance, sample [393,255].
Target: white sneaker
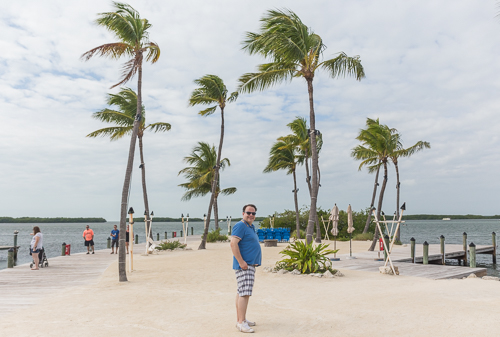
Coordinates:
[243,327]
[250,323]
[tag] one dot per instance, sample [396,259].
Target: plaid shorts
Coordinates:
[245,279]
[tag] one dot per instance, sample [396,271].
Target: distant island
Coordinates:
[451,217]
[28,219]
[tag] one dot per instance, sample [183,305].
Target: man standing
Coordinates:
[115,234]
[88,235]
[246,256]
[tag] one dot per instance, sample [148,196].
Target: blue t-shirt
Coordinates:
[115,232]
[249,244]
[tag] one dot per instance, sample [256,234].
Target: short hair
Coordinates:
[36,229]
[249,205]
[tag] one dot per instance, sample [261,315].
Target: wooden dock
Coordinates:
[8,247]
[21,287]
[401,257]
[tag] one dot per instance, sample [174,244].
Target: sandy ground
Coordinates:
[192,293]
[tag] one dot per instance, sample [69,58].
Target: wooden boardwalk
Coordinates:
[21,287]
[365,261]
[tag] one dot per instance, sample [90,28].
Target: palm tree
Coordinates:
[378,143]
[283,156]
[126,103]
[300,138]
[200,175]
[132,32]
[212,91]
[365,137]
[294,51]
[395,155]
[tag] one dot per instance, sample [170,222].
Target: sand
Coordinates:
[192,293]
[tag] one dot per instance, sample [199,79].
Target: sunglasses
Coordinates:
[251,213]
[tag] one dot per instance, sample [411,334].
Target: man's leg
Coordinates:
[241,307]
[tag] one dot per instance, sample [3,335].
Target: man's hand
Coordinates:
[243,265]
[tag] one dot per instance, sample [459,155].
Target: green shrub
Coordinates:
[214,236]
[307,258]
[363,237]
[170,245]
[294,234]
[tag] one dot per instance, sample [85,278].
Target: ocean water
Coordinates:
[54,234]
[478,231]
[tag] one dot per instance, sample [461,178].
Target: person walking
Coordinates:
[88,235]
[36,246]
[247,255]
[115,234]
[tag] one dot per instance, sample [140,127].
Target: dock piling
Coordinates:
[157,236]
[441,239]
[472,255]
[166,235]
[109,243]
[425,259]
[10,258]
[494,240]
[465,249]
[15,245]
[63,249]
[191,231]
[136,239]
[412,241]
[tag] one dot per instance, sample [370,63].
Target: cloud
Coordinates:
[431,72]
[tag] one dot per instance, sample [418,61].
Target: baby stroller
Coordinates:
[42,259]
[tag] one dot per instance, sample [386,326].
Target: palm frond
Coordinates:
[270,74]
[228,191]
[159,127]
[111,50]
[343,65]
[115,132]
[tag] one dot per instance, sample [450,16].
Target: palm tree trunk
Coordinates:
[314,159]
[144,190]
[216,211]
[308,177]
[122,269]
[379,209]
[297,219]
[214,182]
[398,233]
[318,228]
[368,220]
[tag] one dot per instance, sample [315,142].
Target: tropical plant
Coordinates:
[306,257]
[200,173]
[212,91]
[294,51]
[123,117]
[283,156]
[300,139]
[132,32]
[170,245]
[215,236]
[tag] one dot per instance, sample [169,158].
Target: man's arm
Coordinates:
[236,252]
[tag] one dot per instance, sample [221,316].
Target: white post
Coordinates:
[187,228]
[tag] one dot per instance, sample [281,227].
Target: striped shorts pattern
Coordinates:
[245,279]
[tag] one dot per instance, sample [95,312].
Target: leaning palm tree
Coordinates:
[294,51]
[200,173]
[212,91]
[365,137]
[132,32]
[123,117]
[378,143]
[283,156]
[300,139]
[395,155]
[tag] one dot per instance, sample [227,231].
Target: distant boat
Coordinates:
[446,219]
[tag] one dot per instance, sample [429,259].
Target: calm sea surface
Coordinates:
[478,231]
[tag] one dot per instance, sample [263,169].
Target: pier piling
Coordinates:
[63,249]
[15,245]
[441,239]
[472,256]
[157,236]
[494,240]
[192,231]
[166,235]
[10,258]
[425,258]
[136,239]
[412,241]
[464,260]
[109,242]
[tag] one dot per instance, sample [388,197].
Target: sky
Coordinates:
[431,72]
